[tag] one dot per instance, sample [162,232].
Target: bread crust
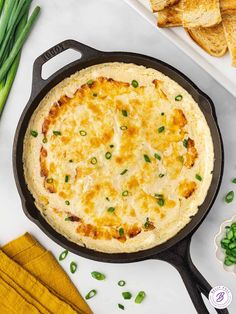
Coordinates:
[229,24]
[171,16]
[158,5]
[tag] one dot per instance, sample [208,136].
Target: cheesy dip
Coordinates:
[118,157]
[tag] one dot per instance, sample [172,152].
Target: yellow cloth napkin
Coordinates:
[31,281]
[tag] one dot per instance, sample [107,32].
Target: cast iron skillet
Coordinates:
[175,251]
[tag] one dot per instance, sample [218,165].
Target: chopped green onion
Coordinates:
[127,295]
[123,172]
[95,94]
[34,133]
[125,113]
[107,198]
[57,133]
[94,161]
[71,160]
[161,202]
[158,157]
[82,133]
[111,145]
[134,83]
[63,255]
[108,155]
[229,197]
[125,193]
[121,283]
[158,195]
[98,276]
[147,223]
[161,175]
[67,203]
[49,180]
[161,129]
[163,113]
[44,140]
[185,143]
[91,294]
[234,180]
[111,209]
[140,297]
[123,127]
[121,232]
[178,97]
[228,243]
[67,177]
[146,158]
[198,177]
[73,267]
[90,82]
[121,306]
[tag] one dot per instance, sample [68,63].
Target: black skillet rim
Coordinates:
[205,104]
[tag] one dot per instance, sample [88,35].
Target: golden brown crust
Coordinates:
[158,5]
[171,16]
[229,23]
[211,39]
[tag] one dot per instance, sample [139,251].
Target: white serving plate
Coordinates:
[219,251]
[219,68]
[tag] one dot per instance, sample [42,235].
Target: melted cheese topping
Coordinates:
[114,165]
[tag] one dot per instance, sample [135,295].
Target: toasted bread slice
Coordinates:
[229,24]
[227,5]
[211,39]
[171,16]
[201,13]
[158,5]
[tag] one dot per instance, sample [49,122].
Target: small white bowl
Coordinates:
[220,252]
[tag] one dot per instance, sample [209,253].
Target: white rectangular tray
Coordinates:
[220,68]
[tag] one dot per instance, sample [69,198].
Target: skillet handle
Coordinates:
[179,257]
[85,51]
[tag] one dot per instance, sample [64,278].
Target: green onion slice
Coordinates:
[108,155]
[234,180]
[71,160]
[34,133]
[67,177]
[49,180]
[158,157]
[107,198]
[121,232]
[134,83]
[57,133]
[63,255]
[125,193]
[123,172]
[185,143]
[45,140]
[91,294]
[229,197]
[198,177]
[82,133]
[90,82]
[73,267]
[67,203]
[94,161]
[161,175]
[111,209]
[111,145]
[140,297]
[178,97]
[121,283]
[161,129]
[95,94]
[161,202]
[123,127]
[121,306]
[163,113]
[146,158]
[98,276]
[127,295]
[125,113]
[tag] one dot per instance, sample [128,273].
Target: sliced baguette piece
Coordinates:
[201,13]
[171,16]
[229,24]
[227,5]
[158,5]
[211,39]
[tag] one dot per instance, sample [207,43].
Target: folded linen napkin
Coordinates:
[31,281]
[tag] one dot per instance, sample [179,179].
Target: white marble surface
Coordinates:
[112,25]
